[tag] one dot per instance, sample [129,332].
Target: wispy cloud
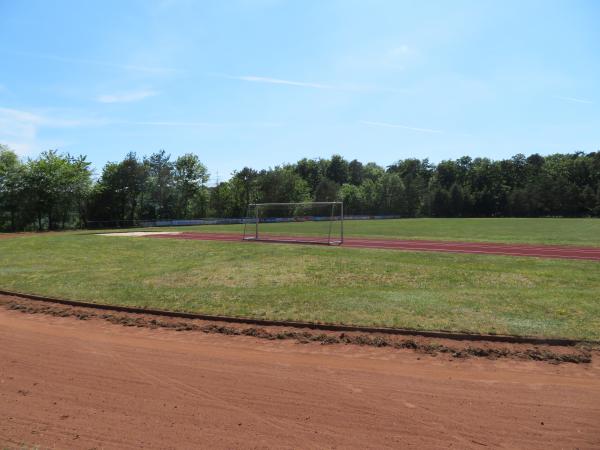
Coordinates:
[393,57]
[94,62]
[126,97]
[399,51]
[48,120]
[348,87]
[268,80]
[573,99]
[200,124]
[403,127]
[19,129]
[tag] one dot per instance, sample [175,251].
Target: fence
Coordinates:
[103,224]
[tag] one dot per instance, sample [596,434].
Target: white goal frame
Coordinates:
[255,219]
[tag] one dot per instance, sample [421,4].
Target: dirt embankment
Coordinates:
[73,379]
[429,346]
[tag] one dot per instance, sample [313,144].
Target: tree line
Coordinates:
[57,190]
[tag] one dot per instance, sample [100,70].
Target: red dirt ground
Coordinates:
[10,235]
[541,251]
[69,383]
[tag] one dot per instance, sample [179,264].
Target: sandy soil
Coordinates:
[140,233]
[540,251]
[70,383]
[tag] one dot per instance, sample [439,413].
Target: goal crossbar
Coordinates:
[261,219]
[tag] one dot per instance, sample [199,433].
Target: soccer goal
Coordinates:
[307,222]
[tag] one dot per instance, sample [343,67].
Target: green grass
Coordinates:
[584,232]
[476,293]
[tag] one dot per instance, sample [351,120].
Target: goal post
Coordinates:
[300,222]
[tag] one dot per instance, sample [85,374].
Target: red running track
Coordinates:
[539,251]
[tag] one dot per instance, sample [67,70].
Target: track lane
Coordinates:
[485,248]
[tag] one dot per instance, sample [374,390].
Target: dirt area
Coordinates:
[10,235]
[15,234]
[431,346]
[71,378]
[486,248]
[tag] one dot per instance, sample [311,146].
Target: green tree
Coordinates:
[392,194]
[356,172]
[588,199]
[161,185]
[190,176]
[282,184]
[11,187]
[440,202]
[327,191]
[55,186]
[373,172]
[121,192]
[221,201]
[596,210]
[457,199]
[312,171]
[79,186]
[370,192]
[351,195]
[415,175]
[338,171]
[244,186]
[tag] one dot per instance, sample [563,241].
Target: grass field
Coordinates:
[585,232]
[477,293]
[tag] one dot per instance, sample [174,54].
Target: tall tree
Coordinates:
[415,175]
[312,171]
[160,171]
[244,186]
[190,176]
[327,191]
[338,171]
[356,172]
[56,184]
[121,192]
[11,186]
[351,195]
[221,200]
[393,195]
[282,184]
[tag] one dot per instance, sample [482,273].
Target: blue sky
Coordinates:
[265,82]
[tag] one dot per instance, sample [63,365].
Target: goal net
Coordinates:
[307,222]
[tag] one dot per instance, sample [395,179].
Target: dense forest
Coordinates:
[56,191]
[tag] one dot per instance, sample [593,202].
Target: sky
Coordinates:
[264,82]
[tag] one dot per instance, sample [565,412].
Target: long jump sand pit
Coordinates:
[140,233]
[486,248]
[85,381]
